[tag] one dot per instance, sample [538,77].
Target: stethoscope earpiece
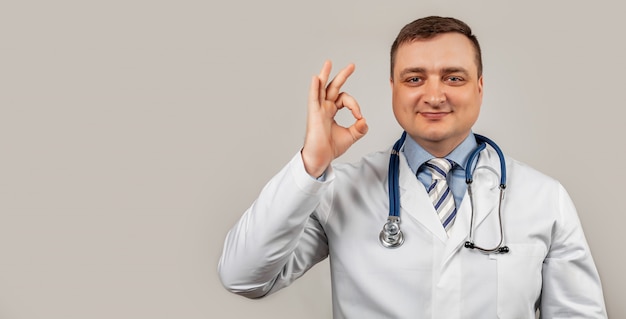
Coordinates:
[497,250]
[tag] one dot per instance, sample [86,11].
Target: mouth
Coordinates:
[434,115]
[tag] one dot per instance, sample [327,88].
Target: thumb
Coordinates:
[359,129]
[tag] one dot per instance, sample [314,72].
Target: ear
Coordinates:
[480,86]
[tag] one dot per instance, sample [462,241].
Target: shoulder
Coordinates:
[518,170]
[372,166]
[532,184]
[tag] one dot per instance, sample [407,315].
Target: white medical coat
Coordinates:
[297,222]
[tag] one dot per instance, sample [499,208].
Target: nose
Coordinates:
[434,94]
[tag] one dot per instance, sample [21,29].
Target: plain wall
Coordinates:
[133,134]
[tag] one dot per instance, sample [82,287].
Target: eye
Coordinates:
[413,79]
[455,80]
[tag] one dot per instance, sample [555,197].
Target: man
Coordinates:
[312,209]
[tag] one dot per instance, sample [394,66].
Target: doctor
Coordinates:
[314,209]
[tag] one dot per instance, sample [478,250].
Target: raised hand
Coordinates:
[325,139]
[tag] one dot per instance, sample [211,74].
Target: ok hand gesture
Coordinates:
[325,139]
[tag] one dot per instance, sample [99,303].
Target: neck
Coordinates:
[440,148]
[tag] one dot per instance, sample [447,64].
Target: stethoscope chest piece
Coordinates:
[391,236]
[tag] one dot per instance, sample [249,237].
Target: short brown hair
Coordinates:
[428,27]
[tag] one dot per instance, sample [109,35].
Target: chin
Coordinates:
[432,136]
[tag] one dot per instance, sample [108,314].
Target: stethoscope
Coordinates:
[392,237]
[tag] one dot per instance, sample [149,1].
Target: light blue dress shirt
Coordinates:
[416,156]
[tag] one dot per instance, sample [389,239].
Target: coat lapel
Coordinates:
[414,201]
[485,194]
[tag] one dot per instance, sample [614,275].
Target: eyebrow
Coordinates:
[412,70]
[454,70]
[443,71]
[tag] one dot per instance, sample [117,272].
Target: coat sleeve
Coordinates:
[279,237]
[571,284]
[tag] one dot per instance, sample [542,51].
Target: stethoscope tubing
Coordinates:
[393,180]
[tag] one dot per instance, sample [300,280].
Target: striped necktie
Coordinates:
[440,193]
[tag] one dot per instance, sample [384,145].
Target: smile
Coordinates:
[434,115]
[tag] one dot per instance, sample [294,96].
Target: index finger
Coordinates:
[323,77]
[334,87]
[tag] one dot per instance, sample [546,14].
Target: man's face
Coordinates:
[436,90]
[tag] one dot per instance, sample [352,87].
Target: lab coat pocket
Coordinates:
[519,280]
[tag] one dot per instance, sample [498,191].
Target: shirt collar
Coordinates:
[417,155]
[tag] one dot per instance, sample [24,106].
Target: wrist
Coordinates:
[312,167]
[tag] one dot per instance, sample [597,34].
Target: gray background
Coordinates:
[133,134]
